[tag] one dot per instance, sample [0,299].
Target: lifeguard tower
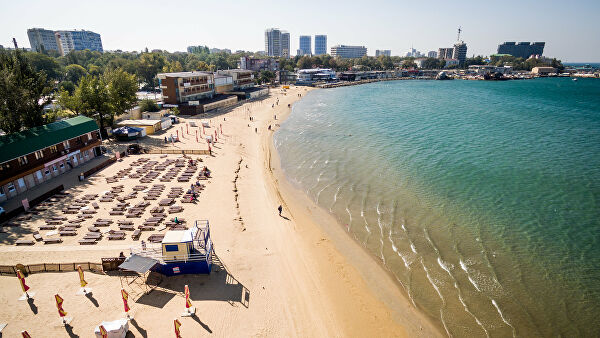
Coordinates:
[181,251]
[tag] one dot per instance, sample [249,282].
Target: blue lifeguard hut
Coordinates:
[182,251]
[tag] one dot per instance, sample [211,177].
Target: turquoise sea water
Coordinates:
[482,198]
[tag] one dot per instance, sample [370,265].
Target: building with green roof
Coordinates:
[31,157]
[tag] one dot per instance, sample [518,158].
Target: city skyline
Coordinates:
[569,41]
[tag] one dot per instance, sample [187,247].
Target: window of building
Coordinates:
[54,167]
[4,166]
[62,166]
[2,191]
[39,175]
[47,172]
[11,187]
[171,248]
[53,149]
[23,160]
[66,144]
[39,154]
[21,183]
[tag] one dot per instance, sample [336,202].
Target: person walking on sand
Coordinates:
[280,209]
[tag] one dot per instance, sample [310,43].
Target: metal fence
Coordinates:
[49,267]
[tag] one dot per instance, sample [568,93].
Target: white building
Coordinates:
[432,54]
[348,52]
[41,39]
[68,41]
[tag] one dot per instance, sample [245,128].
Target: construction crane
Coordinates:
[459,31]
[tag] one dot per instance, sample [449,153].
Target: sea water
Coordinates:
[482,198]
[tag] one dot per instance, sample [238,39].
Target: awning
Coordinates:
[139,264]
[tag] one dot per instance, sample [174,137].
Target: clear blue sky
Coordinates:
[571,29]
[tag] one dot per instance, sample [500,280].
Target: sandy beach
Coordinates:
[298,274]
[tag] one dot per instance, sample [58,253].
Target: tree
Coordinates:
[409,63]
[148,65]
[172,67]
[23,93]
[305,62]
[148,105]
[74,73]
[45,63]
[266,76]
[122,87]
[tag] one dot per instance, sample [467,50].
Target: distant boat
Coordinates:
[574,79]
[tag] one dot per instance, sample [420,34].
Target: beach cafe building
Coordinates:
[31,157]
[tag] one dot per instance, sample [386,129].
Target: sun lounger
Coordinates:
[125,222]
[126,227]
[166,201]
[52,240]
[53,222]
[116,237]
[88,241]
[37,236]
[47,227]
[156,238]
[92,235]
[24,242]
[95,205]
[67,233]
[136,234]
[93,229]
[116,212]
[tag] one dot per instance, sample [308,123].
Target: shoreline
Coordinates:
[375,277]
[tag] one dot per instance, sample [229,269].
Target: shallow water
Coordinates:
[481,197]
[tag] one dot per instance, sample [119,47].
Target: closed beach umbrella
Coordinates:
[59,302]
[188,302]
[125,296]
[81,277]
[177,326]
[103,332]
[25,334]
[22,281]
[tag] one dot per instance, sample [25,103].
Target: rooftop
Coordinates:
[183,74]
[178,236]
[25,142]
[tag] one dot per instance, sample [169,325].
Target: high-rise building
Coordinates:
[460,52]
[348,52]
[305,45]
[445,53]
[285,44]
[320,44]
[432,54]
[41,39]
[384,52]
[277,43]
[68,41]
[522,49]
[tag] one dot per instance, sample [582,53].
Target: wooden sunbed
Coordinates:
[93,229]
[24,242]
[37,236]
[88,241]
[118,236]
[67,233]
[92,235]
[156,238]
[52,240]
[125,222]
[116,212]
[95,205]
[136,234]
[166,201]
[47,227]
[126,227]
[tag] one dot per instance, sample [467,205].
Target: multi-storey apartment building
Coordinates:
[522,49]
[348,52]
[305,45]
[68,41]
[277,43]
[257,65]
[459,52]
[242,79]
[31,157]
[320,44]
[445,53]
[41,40]
[183,87]
[384,52]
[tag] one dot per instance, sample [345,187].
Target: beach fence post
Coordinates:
[187,128]
[61,312]
[24,287]
[189,309]
[196,136]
